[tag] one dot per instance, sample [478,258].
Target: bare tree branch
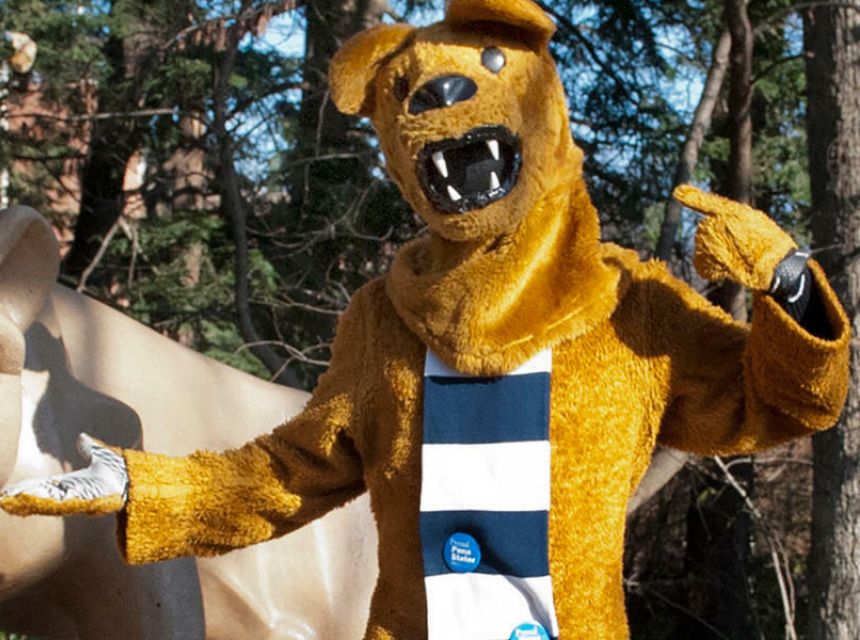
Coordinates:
[85,275]
[690,155]
[234,210]
[784,12]
[294,352]
[576,33]
[215,30]
[638,586]
[665,465]
[279,88]
[777,63]
[777,553]
[89,117]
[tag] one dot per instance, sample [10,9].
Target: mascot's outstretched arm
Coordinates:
[734,388]
[208,503]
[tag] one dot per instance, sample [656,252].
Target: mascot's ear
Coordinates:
[354,66]
[525,15]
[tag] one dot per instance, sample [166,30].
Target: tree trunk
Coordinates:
[322,129]
[113,141]
[730,295]
[330,24]
[718,532]
[690,155]
[740,101]
[236,213]
[731,549]
[187,164]
[832,44]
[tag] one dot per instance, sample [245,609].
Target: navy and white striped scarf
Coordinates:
[485,496]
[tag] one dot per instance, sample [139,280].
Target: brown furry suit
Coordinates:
[638,357]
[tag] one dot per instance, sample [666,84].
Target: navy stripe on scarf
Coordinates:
[485,494]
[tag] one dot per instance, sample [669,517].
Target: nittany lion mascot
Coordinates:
[500,391]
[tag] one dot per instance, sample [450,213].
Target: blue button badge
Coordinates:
[462,553]
[529,631]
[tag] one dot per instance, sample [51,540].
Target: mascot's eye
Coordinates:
[493,59]
[401,88]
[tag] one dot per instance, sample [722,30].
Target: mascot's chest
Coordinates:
[489,492]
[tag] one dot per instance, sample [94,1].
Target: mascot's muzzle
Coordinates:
[460,175]
[463,174]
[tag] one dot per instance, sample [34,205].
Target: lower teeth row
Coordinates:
[494,184]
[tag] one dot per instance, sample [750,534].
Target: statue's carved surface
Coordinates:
[69,365]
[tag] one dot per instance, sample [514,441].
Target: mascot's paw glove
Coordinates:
[735,241]
[100,488]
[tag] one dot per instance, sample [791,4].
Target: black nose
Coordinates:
[442,92]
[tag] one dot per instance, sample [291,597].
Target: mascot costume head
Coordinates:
[473,122]
[470,112]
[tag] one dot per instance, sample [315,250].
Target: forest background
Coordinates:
[201,181]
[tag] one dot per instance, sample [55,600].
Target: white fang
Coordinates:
[454,194]
[441,165]
[494,181]
[493,145]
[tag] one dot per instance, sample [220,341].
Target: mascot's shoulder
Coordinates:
[632,267]
[372,309]
[642,282]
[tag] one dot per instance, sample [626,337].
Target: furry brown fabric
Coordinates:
[634,379]
[735,241]
[638,357]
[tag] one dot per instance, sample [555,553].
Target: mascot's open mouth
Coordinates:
[471,172]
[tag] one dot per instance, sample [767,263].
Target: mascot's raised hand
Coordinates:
[101,487]
[736,242]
